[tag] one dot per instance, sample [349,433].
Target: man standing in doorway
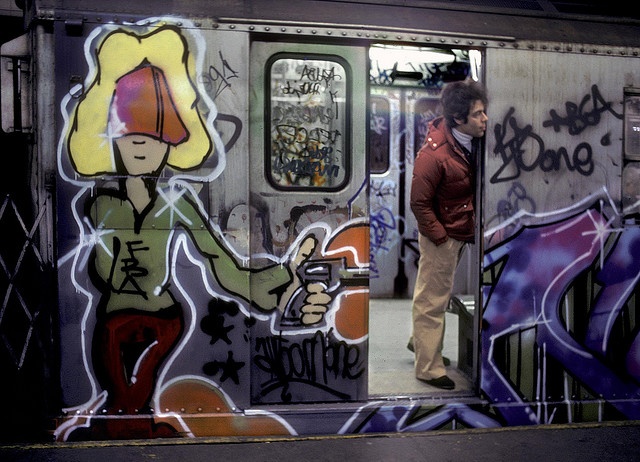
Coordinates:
[443,202]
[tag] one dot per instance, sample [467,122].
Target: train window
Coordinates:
[379,135]
[630,187]
[307,129]
[425,110]
[631,169]
[632,123]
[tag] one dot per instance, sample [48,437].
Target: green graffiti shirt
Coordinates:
[133,253]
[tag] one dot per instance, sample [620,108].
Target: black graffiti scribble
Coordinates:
[302,89]
[578,118]
[217,79]
[287,113]
[131,268]
[229,368]
[304,167]
[237,129]
[318,74]
[513,154]
[214,325]
[311,362]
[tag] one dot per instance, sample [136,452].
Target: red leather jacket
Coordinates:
[443,187]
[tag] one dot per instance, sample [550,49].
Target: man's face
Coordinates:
[476,123]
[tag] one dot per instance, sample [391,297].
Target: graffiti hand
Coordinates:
[315,304]
[305,251]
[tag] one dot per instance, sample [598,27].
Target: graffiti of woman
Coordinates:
[137,118]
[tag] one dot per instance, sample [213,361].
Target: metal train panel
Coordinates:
[559,316]
[187,285]
[132,357]
[556,116]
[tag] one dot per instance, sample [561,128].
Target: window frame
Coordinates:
[345,134]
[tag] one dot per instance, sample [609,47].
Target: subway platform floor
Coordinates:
[391,371]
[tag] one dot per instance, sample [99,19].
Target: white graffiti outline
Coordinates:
[524,217]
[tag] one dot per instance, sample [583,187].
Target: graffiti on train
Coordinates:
[219,77]
[309,362]
[512,138]
[161,312]
[517,201]
[428,75]
[559,324]
[306,148]
[384,235]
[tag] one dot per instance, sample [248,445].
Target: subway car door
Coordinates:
[309,213]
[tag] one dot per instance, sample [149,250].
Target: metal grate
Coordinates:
[21,272]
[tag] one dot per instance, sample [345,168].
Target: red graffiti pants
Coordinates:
[131,345]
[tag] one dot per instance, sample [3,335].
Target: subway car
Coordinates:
[207,228]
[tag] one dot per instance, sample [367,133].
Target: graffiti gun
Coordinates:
[332,274]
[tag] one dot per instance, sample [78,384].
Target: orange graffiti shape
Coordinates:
[205,411]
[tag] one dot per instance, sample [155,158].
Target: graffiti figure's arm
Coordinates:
[266,288]
[262,287]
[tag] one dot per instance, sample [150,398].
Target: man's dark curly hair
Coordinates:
[457,98]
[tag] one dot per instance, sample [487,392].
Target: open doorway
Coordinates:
[406,83]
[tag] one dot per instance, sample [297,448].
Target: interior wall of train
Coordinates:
[213,210]
[406,82]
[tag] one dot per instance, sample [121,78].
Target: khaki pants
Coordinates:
[431,295]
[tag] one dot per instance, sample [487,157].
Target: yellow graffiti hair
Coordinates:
[89,147]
